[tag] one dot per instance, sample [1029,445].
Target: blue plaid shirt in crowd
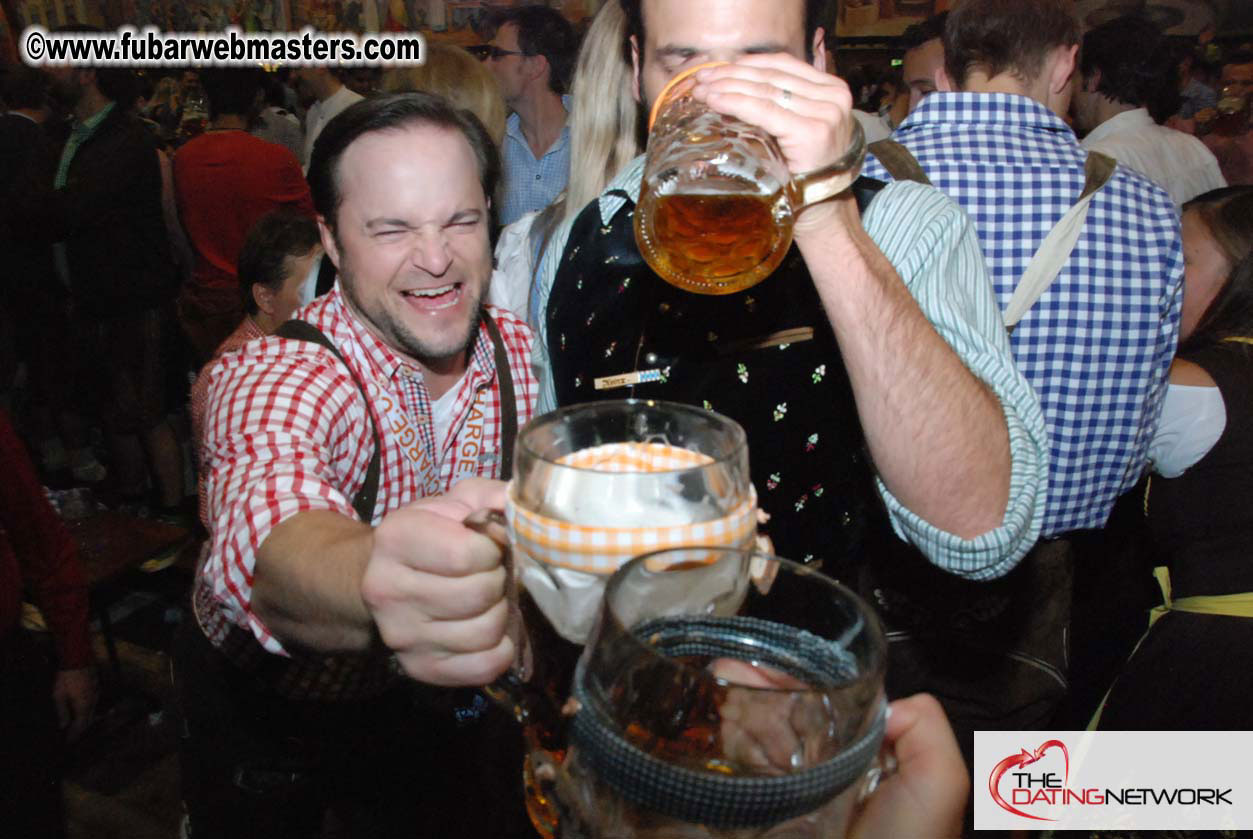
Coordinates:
[531,184]
[1097,346]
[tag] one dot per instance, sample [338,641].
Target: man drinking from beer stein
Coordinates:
[871,370]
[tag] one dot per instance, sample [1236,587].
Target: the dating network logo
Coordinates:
[1040,779]
[1079,780]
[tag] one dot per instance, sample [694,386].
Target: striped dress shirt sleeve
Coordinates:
[932,245]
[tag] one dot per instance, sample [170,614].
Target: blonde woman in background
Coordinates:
[459,77]
[603,140]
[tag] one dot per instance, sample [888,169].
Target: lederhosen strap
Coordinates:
[899,161]
[1098,169]
[508,402]
[363,502]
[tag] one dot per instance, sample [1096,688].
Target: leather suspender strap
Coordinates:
[899,161]
[1059,243]
[363,501]
[508,402]
[1098,169]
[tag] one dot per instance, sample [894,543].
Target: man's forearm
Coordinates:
[936,433]
[307,583]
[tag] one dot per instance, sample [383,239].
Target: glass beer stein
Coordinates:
[717,201]
[725,694]
[594,486]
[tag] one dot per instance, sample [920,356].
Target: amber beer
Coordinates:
[712,243]
[554,660]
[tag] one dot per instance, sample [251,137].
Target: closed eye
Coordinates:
[672,58]
[465,220]
[387,227]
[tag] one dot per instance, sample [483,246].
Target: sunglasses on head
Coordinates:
[485,51]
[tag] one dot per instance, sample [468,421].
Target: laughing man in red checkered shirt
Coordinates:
[301,605]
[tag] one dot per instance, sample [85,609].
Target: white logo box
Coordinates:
[1112,780]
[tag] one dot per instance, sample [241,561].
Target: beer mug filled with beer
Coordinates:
[717,200]
[594,486]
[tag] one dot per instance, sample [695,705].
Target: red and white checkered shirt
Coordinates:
[286,431]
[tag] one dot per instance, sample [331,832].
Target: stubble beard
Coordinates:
[402,338]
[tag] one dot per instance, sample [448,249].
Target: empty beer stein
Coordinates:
[724,693]
[717,201]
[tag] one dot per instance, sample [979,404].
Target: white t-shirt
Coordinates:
[875,126]
[442,414]
[1177,162]
[323,112]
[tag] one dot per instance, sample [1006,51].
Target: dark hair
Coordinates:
[24,87]
[391,112]
[817,13]
[274,238]
[118,84]
[1227,214]
[272,89]
[144,86]
[1136,64]
[545,31]
[230,90]
[919,33]
[998,36]
[1243,56]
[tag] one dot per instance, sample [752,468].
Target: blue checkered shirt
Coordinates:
[1097,346]
[531,184]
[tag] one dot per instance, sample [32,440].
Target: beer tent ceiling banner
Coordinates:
[890,18]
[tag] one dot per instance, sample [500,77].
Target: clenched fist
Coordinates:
[437,589]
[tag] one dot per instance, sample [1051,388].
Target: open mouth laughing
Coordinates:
[434,299]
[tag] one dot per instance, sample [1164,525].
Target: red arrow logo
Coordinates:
[1024,758]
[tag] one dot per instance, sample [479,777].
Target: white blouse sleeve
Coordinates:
[1193,419]
[511,279]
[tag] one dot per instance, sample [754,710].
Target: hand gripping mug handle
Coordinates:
[820,184]
[808,187]
[510,690]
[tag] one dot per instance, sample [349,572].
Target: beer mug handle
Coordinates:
[829,181]
[881,768]
[510,690]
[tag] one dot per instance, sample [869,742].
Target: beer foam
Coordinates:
[630,485]
[615,485]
